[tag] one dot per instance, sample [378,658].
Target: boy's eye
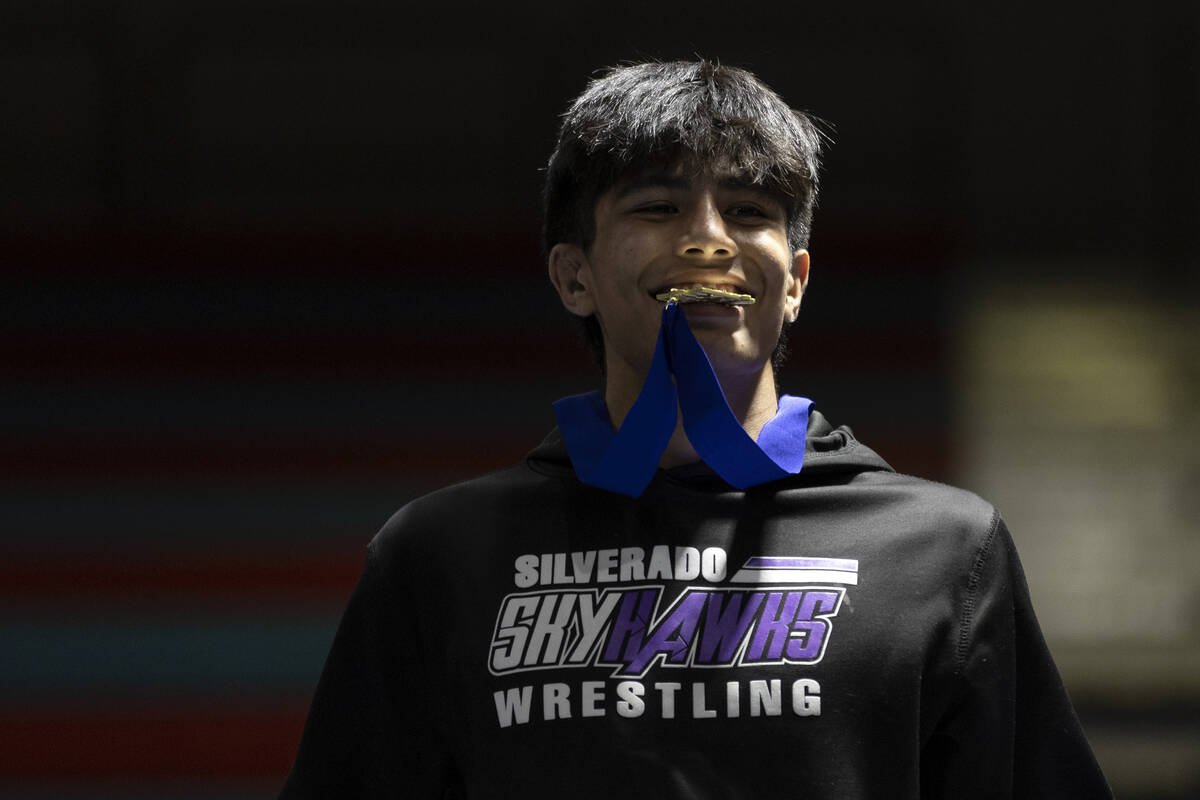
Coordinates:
[743,210]
[655,208]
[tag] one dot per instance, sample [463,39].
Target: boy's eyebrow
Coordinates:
[654,180]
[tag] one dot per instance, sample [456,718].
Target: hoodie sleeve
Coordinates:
[361,740]
[1011,731]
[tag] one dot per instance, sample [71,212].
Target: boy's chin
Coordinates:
[734,356]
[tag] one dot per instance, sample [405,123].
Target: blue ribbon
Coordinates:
[625,461]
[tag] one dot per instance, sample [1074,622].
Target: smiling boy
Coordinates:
[695,587]
[678,227]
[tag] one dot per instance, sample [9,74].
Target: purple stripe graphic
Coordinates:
[789,562]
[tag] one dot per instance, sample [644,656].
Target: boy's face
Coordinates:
[679,228]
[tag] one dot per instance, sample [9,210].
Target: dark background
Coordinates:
[270,269]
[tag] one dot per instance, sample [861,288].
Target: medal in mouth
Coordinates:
[680,383]
[705,294]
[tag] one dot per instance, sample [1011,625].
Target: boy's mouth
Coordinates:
[724,294]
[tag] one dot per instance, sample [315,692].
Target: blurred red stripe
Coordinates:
[503,353]
[300,248]
[204,741]
[384,354]
[420,462]
[858,240]
[232,576]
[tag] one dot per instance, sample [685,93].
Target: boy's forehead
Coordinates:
[681,173]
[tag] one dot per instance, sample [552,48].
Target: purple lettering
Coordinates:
[630,624]
[774,626]
[725,628]
[672,637]
[809,633]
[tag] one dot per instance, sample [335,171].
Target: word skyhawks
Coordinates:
[621,628]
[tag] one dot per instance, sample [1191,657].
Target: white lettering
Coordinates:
[712,564]
[549,629]
[660,563]
[806,698]
[632,568]
[555,704]
[625,564]
[631,703]
[687,563]
[511,638]
[583,563]
[513,705]
[607,562]
[527,572]
[764,699]
[698,709]
[560,569]
[668,691]
[593,695]
[732,699]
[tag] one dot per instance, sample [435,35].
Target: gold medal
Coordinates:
[703,294]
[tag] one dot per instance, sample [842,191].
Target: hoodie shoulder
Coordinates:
[460,508]
[831,450]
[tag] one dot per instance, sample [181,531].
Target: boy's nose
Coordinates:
[705,235]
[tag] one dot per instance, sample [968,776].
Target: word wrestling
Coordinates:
[782,613]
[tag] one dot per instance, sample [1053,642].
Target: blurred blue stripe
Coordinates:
[164,654]
[212,516]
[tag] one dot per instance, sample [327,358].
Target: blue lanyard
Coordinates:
[625,461]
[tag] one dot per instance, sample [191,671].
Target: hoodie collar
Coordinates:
[680,383]
[831,454]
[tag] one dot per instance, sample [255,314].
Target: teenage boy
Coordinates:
[694,587]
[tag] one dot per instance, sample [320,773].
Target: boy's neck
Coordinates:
[752,399]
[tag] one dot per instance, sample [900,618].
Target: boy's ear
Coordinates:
[798,285]
[571,274]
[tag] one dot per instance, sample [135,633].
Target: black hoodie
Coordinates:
[847,632]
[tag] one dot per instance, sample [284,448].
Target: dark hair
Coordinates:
[702,112]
